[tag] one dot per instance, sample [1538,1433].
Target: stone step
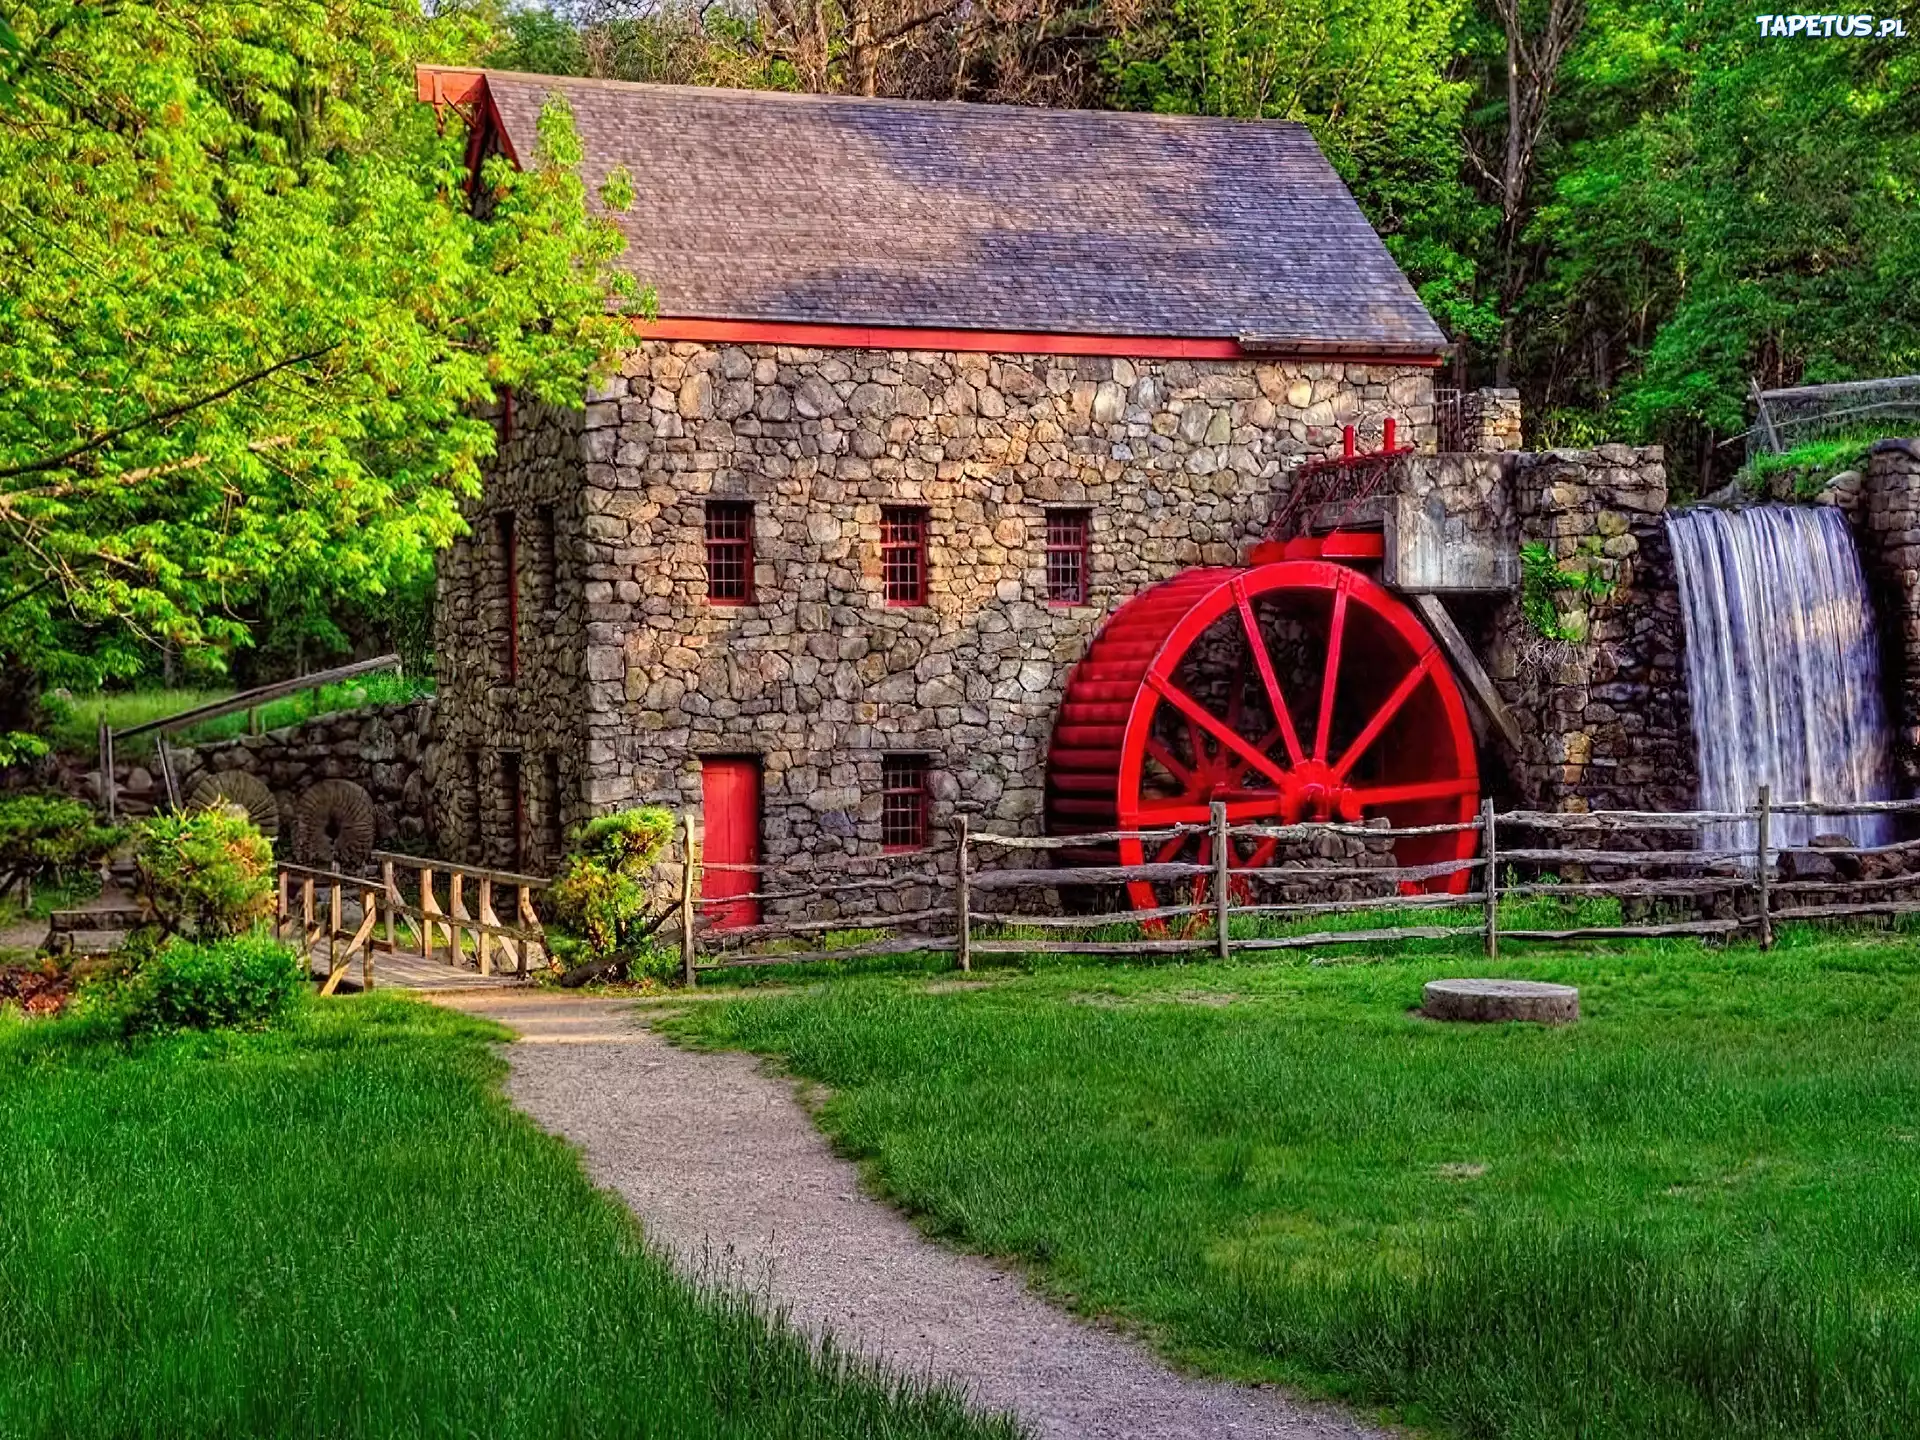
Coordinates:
[107,917]
[86,942]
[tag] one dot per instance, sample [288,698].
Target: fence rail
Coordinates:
[364,914]
[213,710]
[1667,891]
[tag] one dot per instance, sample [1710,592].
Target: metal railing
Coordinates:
[213,710]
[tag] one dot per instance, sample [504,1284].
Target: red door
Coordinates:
[730,803]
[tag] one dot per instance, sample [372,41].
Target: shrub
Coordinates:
[205,874]
[244,982]
[45,836]
[599,897]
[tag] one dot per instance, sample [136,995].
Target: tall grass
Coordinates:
[344,1230]
[1694,1214]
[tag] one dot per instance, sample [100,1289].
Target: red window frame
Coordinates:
[903,554]
[1069,556]
[903,803]
[503,526]
[730,552]
[511,783]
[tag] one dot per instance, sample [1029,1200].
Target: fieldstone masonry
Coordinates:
[1488,421]
[384,749]
[1606,718]
[634,676]
[627,676]
[1889,531]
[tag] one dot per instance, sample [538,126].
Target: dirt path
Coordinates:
[726,1170]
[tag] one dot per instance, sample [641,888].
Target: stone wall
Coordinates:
[1178,464]
[1606,719]
[1485,422]
[1888,526]
[508,771]
[384,749]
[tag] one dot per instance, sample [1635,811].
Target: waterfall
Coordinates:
[1783,672]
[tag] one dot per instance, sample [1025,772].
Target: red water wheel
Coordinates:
[1294,691]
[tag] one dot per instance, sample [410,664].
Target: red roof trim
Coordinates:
[1019,342]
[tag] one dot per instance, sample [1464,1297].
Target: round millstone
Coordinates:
[1501,1000]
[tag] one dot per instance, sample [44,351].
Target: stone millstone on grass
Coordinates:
[1500,1000]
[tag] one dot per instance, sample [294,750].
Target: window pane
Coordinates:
[903,554]
[729,551]
[1067,557]
[903,801]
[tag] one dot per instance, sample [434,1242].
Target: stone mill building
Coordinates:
[934,391]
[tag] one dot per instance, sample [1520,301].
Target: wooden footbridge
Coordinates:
[416,924]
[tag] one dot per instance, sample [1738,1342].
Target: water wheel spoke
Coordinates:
[1167,851]
[1216,727]
[1173,811]
[1371,797]
[1263,661]
[1188,777]
[1336,633]
[1265,746]
[1384,715]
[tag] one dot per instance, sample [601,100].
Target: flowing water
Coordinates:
[1783,671]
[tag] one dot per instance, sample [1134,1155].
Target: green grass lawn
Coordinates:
[1696,1213]
[74,725]
[344,1230]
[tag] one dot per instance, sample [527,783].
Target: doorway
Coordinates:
[730,813]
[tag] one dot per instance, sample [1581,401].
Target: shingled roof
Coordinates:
[761,206]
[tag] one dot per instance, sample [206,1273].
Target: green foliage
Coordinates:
[1724,206]
[46,837]
[243,982]
[1699,1200]
[1376,84]
[1544,579]
[17,747]
[249,320]
[1809,465]
[600,895]
[204,874]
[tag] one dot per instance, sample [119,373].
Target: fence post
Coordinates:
[962,909]
[456,904]
[369,907]
[524,915]
[481,917]
[391,898]
[1490,877]
[1764,805]
[1221,856]
[109,792]
[280,910]
[686,900]
[333,924]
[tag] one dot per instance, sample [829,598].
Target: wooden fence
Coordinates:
[1662,867]
[361,914]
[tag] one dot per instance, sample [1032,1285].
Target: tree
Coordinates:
[1723,206]
[248,320]
[1373,79]
[1018,51]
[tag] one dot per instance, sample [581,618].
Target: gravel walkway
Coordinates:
[727,1171]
